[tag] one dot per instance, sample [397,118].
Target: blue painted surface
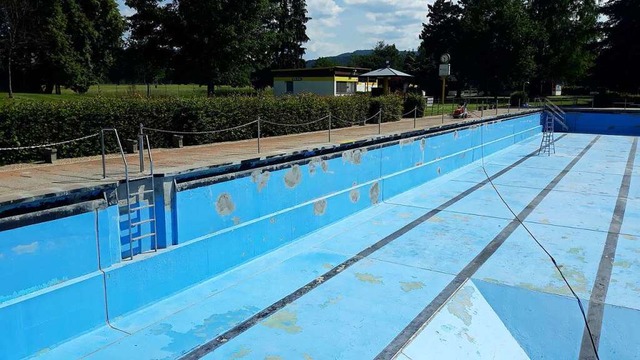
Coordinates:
[604,123]
[546,326]
[61,250]
[49,274]
[466,328]
[284,231]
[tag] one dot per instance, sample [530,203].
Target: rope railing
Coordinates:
[297,124]
[357,122]
[50,144]
[199,132]
[415,110]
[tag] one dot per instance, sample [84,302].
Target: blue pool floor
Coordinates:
[485,287]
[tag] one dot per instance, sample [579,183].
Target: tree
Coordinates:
[565,32]
[149,49]
[69,43]
[221,42]
[14,16]
[440,34]
[291,34]
[618,62]
[324,62]
[383,55]
[496,44]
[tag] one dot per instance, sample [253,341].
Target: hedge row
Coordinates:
[34,123]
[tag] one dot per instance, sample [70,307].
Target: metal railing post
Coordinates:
[519,104]
[496,106]
[259,134]
[415,116]
[481,112]
[104,161]
[141,147]
[380,122]
[329,126]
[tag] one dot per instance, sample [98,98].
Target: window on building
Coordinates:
[289,87]
[344,87]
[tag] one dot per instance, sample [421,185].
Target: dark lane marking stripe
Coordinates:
[603,277]
[212,345]
[427,313]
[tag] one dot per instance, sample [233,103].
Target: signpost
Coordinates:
[444,71]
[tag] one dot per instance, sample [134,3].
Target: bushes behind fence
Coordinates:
[35,123]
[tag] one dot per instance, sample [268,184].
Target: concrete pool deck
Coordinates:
[447,254]
[23,181]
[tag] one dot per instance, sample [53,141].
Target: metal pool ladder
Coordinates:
[151,204]
[547,144]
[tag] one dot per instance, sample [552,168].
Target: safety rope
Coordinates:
[49,145]
[199,132]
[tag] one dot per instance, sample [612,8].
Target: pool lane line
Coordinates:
[408,333]
[603,277]
[230,334]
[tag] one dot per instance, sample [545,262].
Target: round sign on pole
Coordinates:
[445,58]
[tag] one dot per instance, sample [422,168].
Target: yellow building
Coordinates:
[331,81]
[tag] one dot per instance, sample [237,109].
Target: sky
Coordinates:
[339,26]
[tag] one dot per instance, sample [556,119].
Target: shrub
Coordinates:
[518,98]
[35,123]
[413,101]
[391,106]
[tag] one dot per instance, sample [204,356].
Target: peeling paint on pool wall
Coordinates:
[379,171]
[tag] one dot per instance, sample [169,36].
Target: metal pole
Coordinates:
[141,147]
[329,126]
[519,104]
[444,84]
[481,113]
[509,107]
[258,134]
[104,165]
[496,106]
[415,116]
[380,122]
[593,101]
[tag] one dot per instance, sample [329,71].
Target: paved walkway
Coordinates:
[21,181]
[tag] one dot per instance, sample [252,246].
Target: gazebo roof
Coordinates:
[385,72]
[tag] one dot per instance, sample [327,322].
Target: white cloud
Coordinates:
[324,12]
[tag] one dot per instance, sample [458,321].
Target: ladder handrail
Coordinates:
[153,186]
[557,113]
[126,177]
[554,106]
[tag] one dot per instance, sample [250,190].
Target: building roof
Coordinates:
[386,72]
[320,72]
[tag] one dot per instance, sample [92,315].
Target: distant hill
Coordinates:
[342,59]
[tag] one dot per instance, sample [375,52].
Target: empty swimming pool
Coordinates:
[399,249]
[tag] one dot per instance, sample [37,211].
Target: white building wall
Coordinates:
[326,88]
[279,88]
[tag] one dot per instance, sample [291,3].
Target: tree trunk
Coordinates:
[210,89]
[58,90]
[48,89]
[9,71]
[148,90]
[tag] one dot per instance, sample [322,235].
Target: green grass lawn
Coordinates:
[122,91]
